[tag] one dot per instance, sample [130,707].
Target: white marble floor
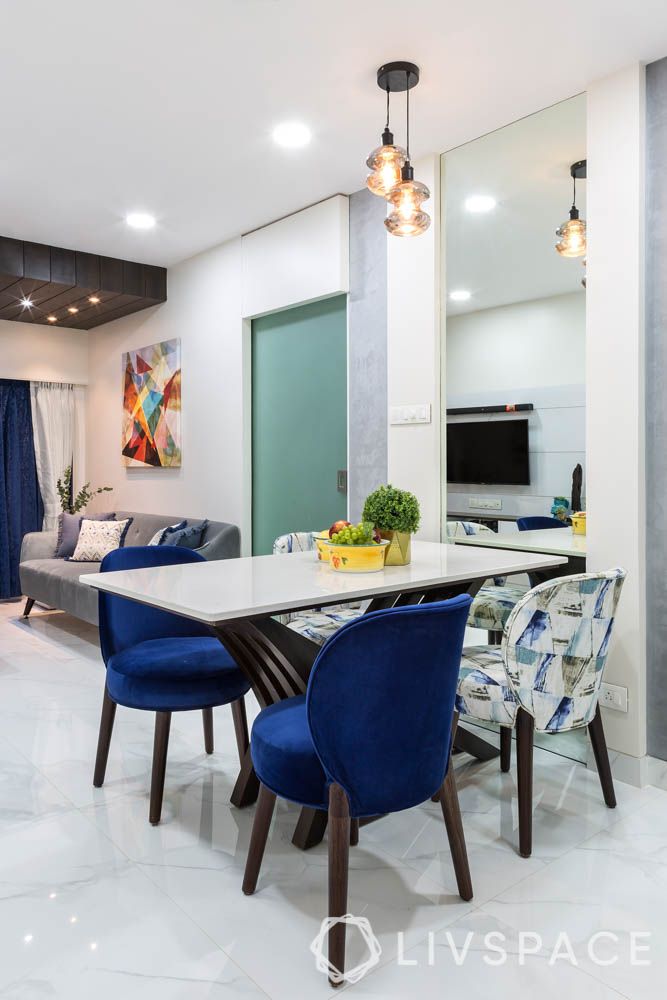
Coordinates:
[94,902]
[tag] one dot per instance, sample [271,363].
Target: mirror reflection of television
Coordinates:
[489,452]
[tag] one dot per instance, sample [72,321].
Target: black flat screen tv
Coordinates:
[489,452]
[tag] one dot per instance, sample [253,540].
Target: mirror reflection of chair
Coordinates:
[545,676]
[538,523]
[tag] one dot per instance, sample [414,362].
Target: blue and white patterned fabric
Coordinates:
[552,656]
[494,601]
[315,624]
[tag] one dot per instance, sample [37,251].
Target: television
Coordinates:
[489,452]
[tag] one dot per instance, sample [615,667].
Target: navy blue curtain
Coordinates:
[21,508]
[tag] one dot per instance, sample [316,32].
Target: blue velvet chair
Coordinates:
[535,523]
[162,663]
[372,735]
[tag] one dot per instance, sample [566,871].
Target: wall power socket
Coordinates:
[613,696]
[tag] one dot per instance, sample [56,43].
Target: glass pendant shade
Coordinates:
[408,218]
[572,238]
[385,164]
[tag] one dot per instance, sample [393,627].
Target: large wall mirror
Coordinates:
[514,324]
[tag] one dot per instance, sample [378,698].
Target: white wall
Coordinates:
[536,343]
[413,354]
[205,308]
[615,378]
[38,352]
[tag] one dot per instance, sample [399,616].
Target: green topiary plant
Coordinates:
[70,504]
[391,509]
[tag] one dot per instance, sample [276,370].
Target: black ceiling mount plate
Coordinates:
[398,76]
[578,170]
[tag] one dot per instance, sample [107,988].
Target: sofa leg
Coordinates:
[28,606]
[160,747]
[104,739]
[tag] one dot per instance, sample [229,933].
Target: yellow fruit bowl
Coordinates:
[579,523]
[357,558]
[321,539]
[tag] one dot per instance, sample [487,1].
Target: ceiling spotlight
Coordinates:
[72,310]
[459,295]
[94,300]
[140,220]
[478,203]
[52,319]
[27,938]
[26,302]
[291,135]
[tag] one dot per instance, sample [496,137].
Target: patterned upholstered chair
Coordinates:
[546,675]
[495,599]
[314,624]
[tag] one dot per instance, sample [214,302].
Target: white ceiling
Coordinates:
[168,107]
[507,255]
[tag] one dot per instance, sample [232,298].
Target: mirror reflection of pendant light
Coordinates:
[385,162]
[572,234]
[407,217]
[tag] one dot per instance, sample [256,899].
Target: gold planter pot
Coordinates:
[398,553]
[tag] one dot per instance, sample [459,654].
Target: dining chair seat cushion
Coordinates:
[492,606]
[483,689]
[175,674]
[284,755]
[318,626]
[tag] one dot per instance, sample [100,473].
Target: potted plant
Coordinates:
[74,504]
[395,513]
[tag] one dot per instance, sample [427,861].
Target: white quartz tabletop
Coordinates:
[552,541]
[225,589]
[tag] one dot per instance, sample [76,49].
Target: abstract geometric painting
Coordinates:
[152,405]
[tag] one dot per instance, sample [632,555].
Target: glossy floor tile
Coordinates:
[94,902]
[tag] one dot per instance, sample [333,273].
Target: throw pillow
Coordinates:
[69,526]
[188,538]
[158,537]
[97,538]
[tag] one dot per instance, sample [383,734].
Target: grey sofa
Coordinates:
[55,582]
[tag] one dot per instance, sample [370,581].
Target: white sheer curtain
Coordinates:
[57,422]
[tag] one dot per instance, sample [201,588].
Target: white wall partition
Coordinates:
[615,379]
[32,351]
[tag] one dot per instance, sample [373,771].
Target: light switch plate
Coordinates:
[414,413]
[485,503]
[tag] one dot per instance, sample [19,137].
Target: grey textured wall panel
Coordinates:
[656,404]
[367,351]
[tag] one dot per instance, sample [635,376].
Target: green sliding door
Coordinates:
[299,420]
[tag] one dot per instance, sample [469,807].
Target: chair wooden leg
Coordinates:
[339,852]
[28,606]
[207,715]
[104,739]
[354,832]
[525,728]
[505,748]
[240,727]
[596,732]
[451,812]
[260,832]
[160,747]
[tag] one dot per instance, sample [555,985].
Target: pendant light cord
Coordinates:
[387,125]
[407,116]
[574,190]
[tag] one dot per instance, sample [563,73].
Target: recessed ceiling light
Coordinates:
[94,300]
[291,135]
[480,203]
[51,319]
[72,310]
[26,302]
[459,295]
[140,220]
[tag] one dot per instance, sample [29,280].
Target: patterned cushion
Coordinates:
[98,538]
[557,640]
[483,689]
[492,606]
[318,626]
[295,541]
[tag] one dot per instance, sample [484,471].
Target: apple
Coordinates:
[338,526]
[377,537]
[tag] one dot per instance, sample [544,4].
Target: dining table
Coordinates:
[547,541]
[243,600]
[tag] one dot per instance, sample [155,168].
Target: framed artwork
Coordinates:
[152,405]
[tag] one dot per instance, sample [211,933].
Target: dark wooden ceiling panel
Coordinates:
[60,283]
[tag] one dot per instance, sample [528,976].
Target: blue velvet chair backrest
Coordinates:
[124,623]
[535,523]
[380,703]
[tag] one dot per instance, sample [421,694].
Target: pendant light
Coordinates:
[385,162]
[572,234]
[407,217]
